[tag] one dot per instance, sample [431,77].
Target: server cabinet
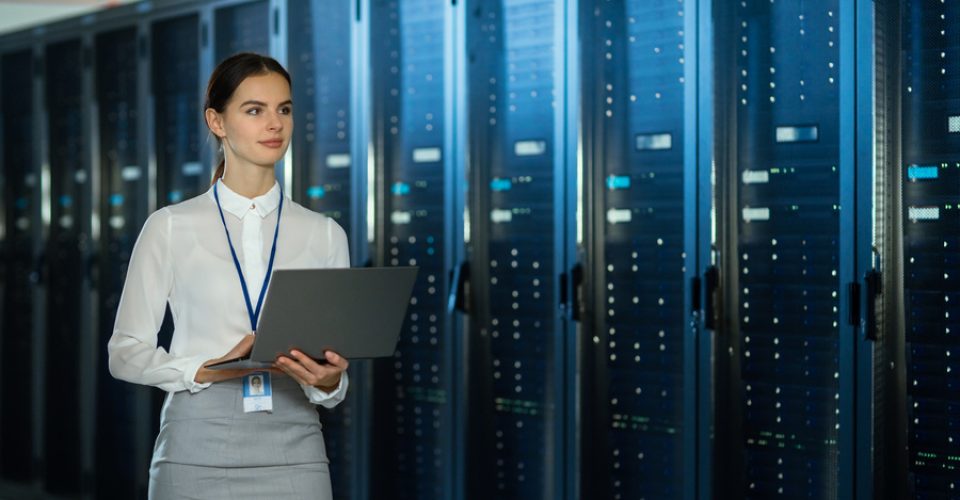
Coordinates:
[241,28]
[930,173]
[320,65]
[17,427]
[786,400]
[642,233]
[122,408]
[321,48]
[418,225]
[67,250]
[517,71]
[176,88]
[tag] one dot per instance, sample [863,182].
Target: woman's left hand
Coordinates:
[306,371]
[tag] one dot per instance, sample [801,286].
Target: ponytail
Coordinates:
[218,174]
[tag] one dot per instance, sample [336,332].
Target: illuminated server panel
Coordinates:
[514,249]
[931,243]
[122,210]
[319,63]
[241,28]
[69,234]
[634,445]
[17,426]
[320,66]
[176,89]
[788,243]
[412,400]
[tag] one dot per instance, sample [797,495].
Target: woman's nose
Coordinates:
[275,122]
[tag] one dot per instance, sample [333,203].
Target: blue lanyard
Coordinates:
[254,313]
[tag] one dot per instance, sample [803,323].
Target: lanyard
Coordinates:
[254,313]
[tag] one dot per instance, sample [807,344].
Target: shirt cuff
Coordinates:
[190,375]
[320,397]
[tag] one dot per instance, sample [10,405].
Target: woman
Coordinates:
[210,258]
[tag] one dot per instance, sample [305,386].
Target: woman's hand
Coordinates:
[306,371]
[242,348]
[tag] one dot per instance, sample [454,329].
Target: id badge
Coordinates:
[257,392]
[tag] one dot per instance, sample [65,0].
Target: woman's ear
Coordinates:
[214,122]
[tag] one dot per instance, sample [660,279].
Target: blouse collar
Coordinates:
[240,205]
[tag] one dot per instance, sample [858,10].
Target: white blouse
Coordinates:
[182,257]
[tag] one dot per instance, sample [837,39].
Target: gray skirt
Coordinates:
[208,448]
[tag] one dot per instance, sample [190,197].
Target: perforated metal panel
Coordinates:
[242,28]
[931,190]
[319,63]
[70,213]
[635,442]
[17,427]
[413,397]
[181,174]
[515,87]
[123,208]
[789,247]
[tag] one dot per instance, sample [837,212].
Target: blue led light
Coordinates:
[66,201]
[116,200]
[175,196]
[500,184]
[315,192]
[618,182]
[400,189]
[915,172]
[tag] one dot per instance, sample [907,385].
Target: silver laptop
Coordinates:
[356,312]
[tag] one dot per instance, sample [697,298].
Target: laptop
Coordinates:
[356,312]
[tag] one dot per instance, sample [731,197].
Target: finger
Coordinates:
[297,370]
[282,365]
[314,367]
[336,359]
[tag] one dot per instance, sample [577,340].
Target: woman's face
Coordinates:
[257,123]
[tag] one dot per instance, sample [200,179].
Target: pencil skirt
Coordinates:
[208,448]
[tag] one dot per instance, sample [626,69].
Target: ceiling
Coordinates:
[19,14]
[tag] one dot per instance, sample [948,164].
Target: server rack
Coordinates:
[418,222]
[67,262]
[521,373]
[19,152]
[241,27]
[646,239]
[929,172]
[176,92]
[798,174]
[123,409]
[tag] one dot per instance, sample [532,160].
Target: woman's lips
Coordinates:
[275,144]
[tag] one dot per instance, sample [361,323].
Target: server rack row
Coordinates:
[650,237]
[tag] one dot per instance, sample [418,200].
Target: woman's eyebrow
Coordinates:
[261,103]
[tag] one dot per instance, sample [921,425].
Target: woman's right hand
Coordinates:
[242,348]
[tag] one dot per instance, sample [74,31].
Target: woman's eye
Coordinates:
[285,110]
[253,111]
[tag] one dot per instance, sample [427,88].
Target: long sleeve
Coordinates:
[331,399]
[132,349]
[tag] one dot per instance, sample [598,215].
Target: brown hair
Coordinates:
[227,76]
